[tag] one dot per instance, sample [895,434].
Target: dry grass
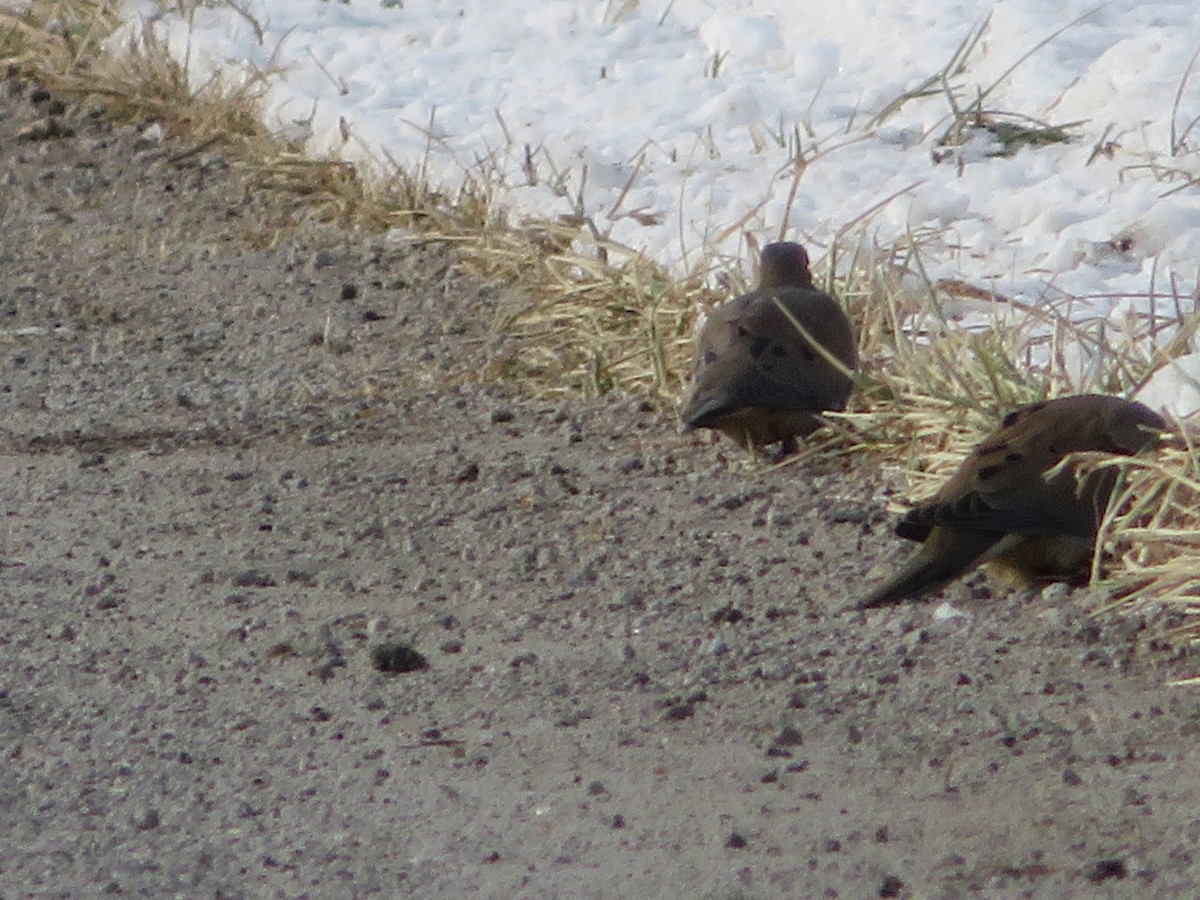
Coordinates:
[62,44]
[1153,531]
[598,317]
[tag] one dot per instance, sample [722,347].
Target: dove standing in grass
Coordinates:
[769,362]
[1000,508]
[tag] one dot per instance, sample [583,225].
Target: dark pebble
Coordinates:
[1105,869]
[253,578]
[396,659]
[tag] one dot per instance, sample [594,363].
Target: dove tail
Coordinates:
[938,562]
[919,576]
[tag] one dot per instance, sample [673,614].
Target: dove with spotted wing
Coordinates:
[760,379]
[1000,508]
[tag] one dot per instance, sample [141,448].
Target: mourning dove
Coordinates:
[756,377]
[999,508]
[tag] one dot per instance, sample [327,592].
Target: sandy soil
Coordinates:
[240,458]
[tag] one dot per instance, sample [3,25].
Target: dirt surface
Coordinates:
[245,466]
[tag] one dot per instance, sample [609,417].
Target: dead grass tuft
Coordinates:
[928,388]
[63,44]
[1152,532]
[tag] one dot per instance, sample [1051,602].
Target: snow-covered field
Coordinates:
[676,126]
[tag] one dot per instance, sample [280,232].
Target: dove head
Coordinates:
[1134,427]
[784,265]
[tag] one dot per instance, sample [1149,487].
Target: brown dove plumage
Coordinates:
[756,377]
[999,508]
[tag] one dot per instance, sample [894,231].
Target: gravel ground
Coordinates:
[249,477]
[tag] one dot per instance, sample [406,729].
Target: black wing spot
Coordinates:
[914,527]
[1017,415]
[759,346]
[990,472]
[968,506]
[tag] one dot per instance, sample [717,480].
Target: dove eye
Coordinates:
[709,357]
